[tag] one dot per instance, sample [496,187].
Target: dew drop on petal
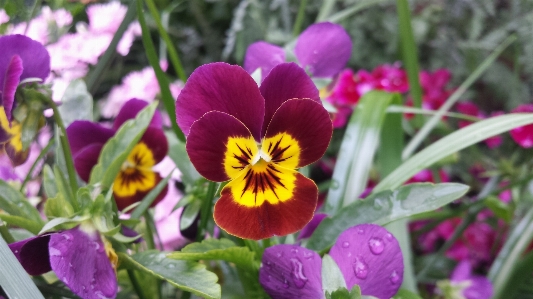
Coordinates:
[360,268]
[298,277]
[389,237]
[376,246]
[285,284]
[269,264]
[294,250]
[345,244]
[54,251]
[360,231]
[279,254]
[308,255]
[394,277]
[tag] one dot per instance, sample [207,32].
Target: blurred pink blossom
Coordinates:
[42,27]
[523,135]
[471,109]
[4,18]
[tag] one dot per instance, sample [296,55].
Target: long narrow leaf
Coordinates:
[348,12]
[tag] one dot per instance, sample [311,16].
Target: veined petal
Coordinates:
[82,133]
[79,259]
[220,146]
[369,256]
[286,81]
[263,55]
[13,146]
[308,127]
[291,271]
[32,254]
[130,110]
[35,57]
[264,202]
[225,88]
[323,49]
[139,185]
[156,141]
[86,158]
[10,84]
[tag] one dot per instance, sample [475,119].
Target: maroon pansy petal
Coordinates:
[286,81]
[267,220]
[130,110]
[82,133]
[225,88]
[79,259]
[32,254]
[10,84]
[263,55]
[306,121]
[126,201]
[157,142]
[369,256]
[35,57]
[323,49]
[523,135]
[291,271]
[207,144]
[86,159]
[310,228]
[14,153]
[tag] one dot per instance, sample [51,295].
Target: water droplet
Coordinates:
[70,265]
[334,184]
[345,244]
[360,268]
[389,237]
[308,255]
[298,277]
[54,251]
[268,278]
[378,205]
[376,246]
[65,280]
[279,254]
[285,284]
[360,231]
[83,287]
[67,236]
[394,277]
[16,251]
[294,250]
[96,245]
[269,264]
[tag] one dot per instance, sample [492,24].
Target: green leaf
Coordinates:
[117,149]
[357,149]
[332,278]
[150,197]
[15,203]
[22,222]
[499,208]
[452,143]
[218,249]
[59,221]
[49,182]
[405,294]
[385,207]
[178,154]
[76,103]
[186,275]
[190,213]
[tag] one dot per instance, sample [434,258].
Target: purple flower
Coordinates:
[137,176]
[78,256]
[21,58]
[323,49]
[464,284]
[367,255]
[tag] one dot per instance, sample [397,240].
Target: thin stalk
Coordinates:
[341,15]
[66,150]
[299,19]
[4,232]
[35,163]
[31,15]
[103,63]
[149,237]
[173,54]
[325,10]
[135,283]
[428,126]
[205,211]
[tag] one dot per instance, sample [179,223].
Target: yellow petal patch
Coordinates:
[282,149]
[240,152]
[12,129]
[136,174]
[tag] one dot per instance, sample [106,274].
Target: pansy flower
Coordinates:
[523,135]
[136,177]
[323,49]
[367,255]
[256,138]
[464,284]
[79,257]
[22,58]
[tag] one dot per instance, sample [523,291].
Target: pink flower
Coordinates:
[471,109]
[434,88]
[4,18]
[39,28]
[523,135]
[391,78]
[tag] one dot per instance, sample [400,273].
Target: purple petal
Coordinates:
[308,230]
[130,110]
[85,160]
[481,288]
[286,81]
[369,256]
[224,88]
[323,49]
[82,133]
[32,254]
[291,271]
[263,55]
[79,260]
[462,271]
[35,57]
[156,140]
[10,84]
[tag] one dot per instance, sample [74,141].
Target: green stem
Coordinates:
[325,10]
[341,15]
[173,54]
[35,163]
[205,211]
[4,231]
[149,236]
[299,19]
[135,283]
[66,151]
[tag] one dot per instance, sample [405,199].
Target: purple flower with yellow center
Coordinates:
[367,255]
[466,285]
[255,138]
[22,58]
[79,257]
[136,177]
[323,49]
